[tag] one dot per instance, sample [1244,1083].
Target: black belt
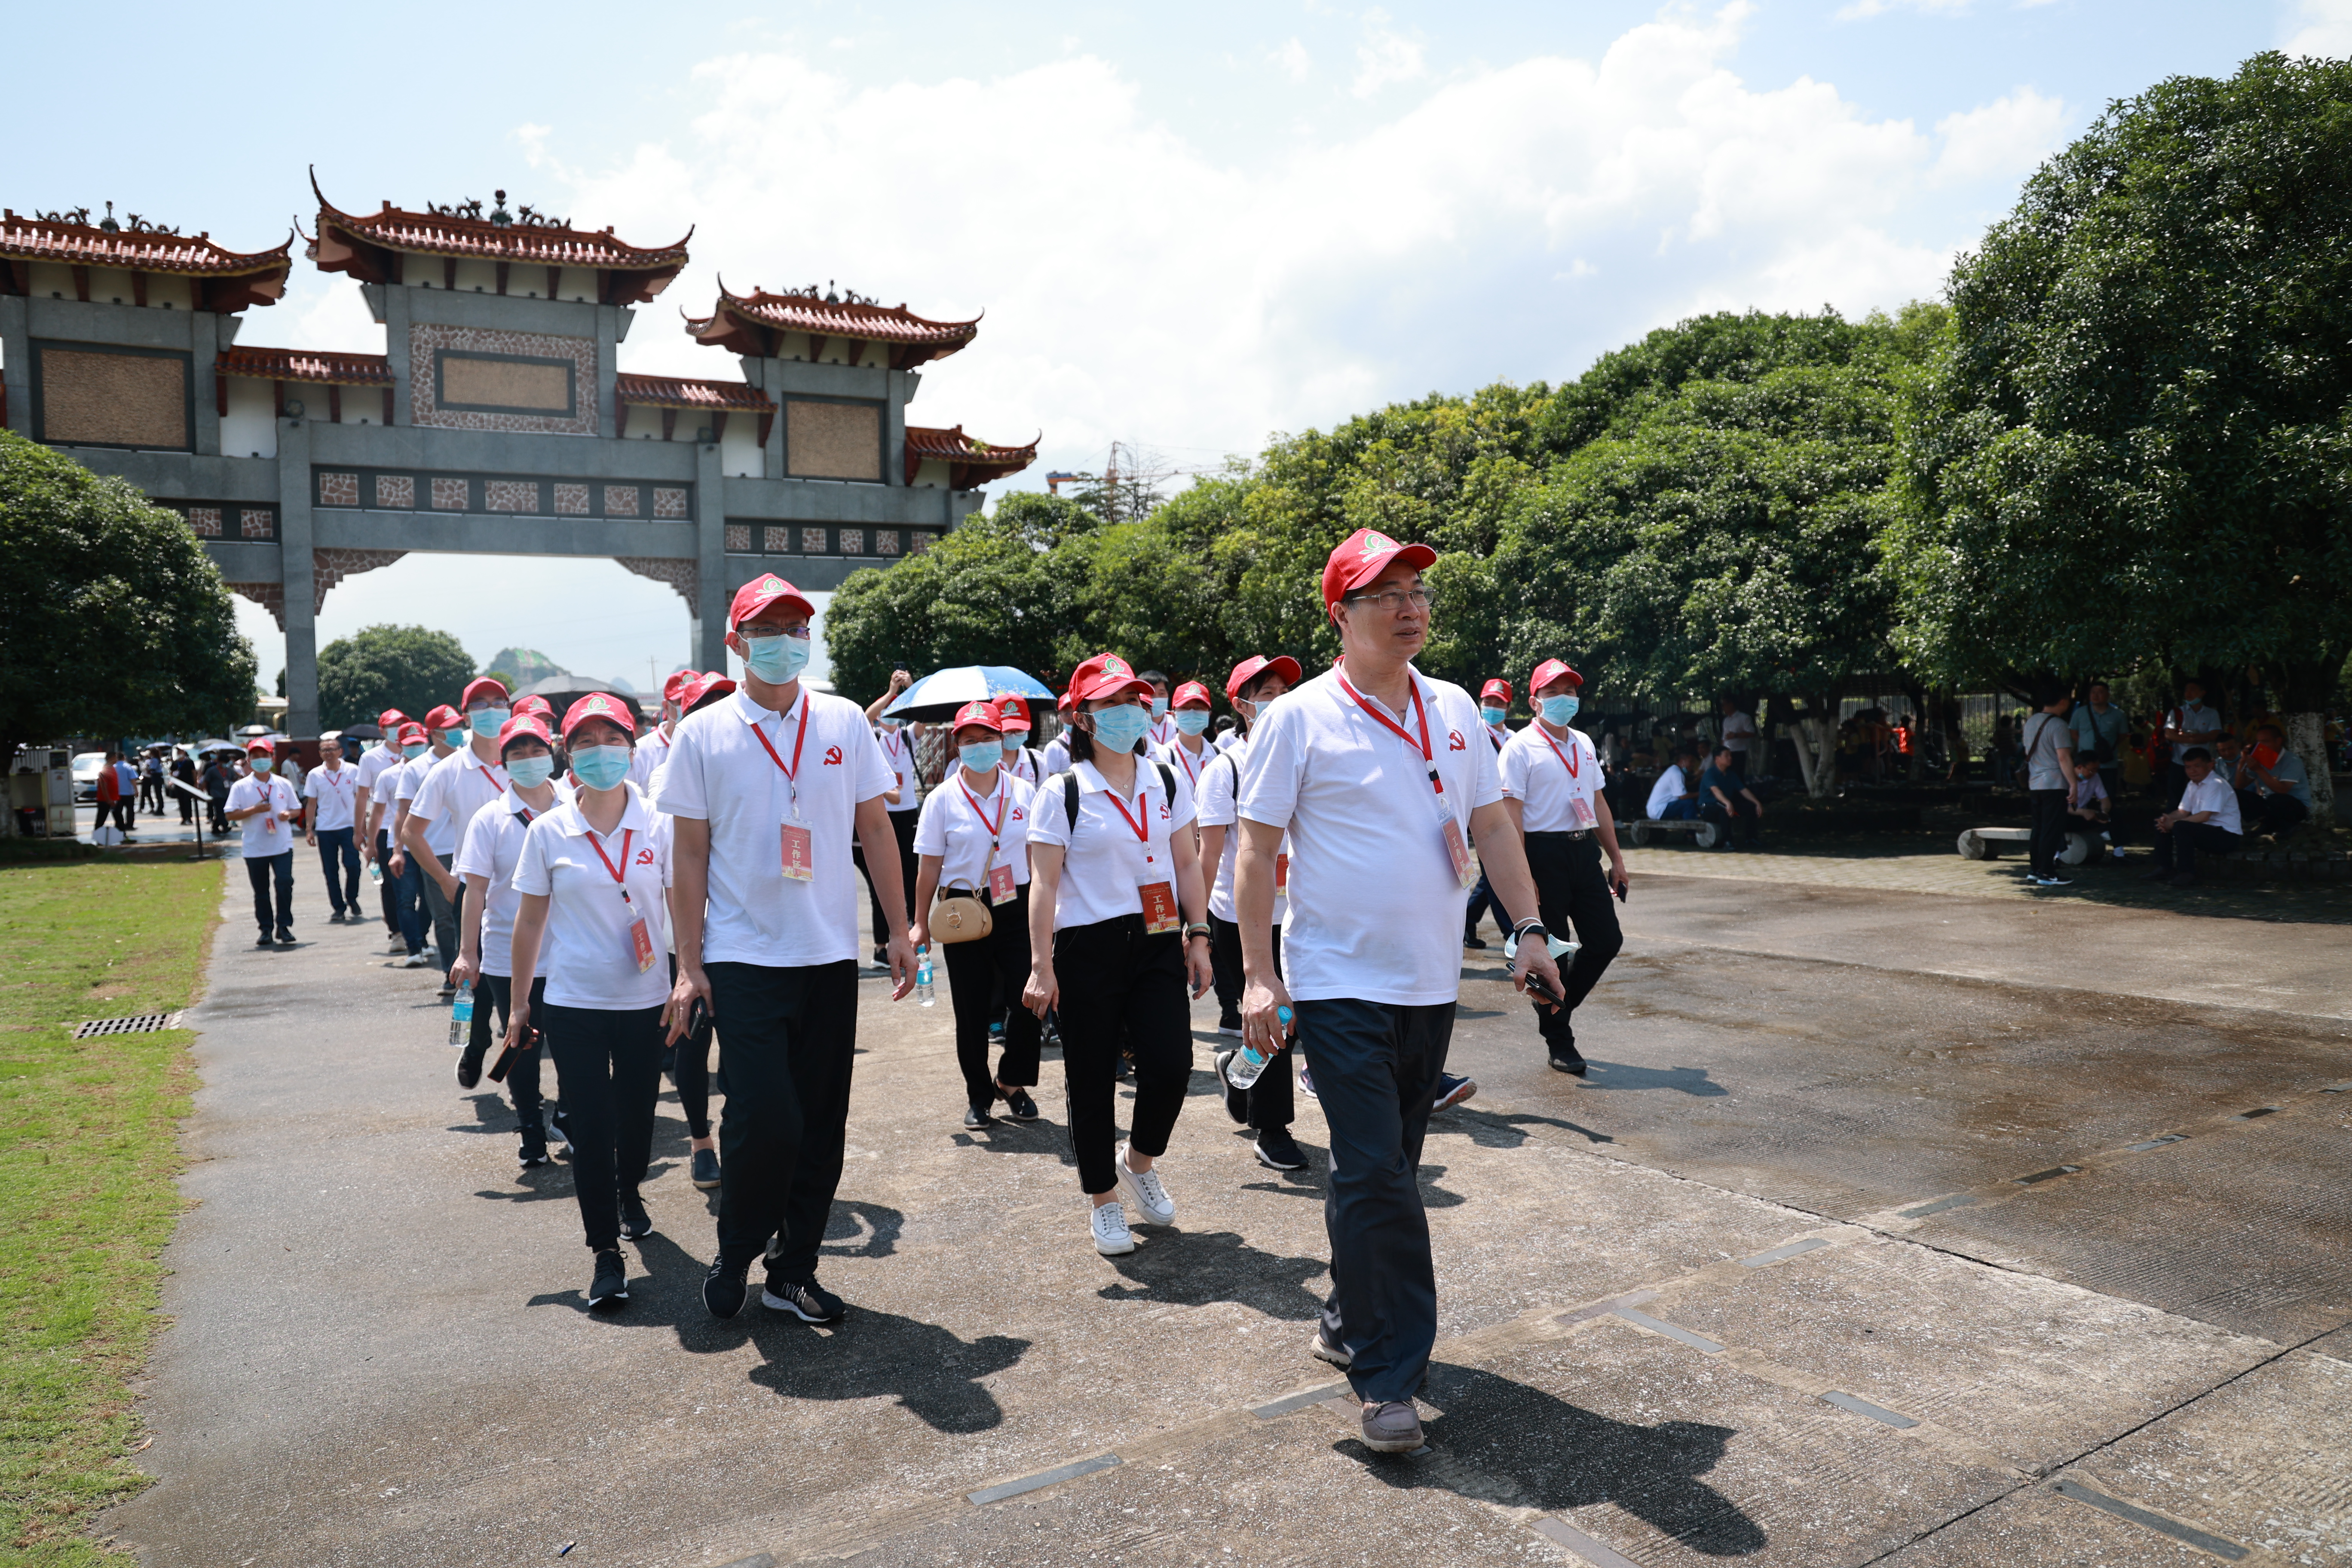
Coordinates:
[1579,833]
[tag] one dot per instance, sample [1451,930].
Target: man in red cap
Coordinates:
[1494,709]
[269,808]
[445,731]
[1021,759]
[1381,779]
[461,783]
[1552,786]
[652,746]
[905,799]
[765,789]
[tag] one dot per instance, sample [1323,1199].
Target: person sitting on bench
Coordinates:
[2088,806]
[1725,800]
[2274,779]
[1671,798]
[2206,819]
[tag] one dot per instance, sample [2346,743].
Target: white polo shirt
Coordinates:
[1105,861]
[1552,779]
[374,763]
[586,954]
[898,751]
[652,750]
[1671,787]
[718,773]
[1057,755]
[1375,910]
[267,833]
[337,791]
[487,857]
[1220,788]
[1162,730]
[458,786]
[1024,765]
[409,777]
[1738,733]
[1180,758]
[2212,793]
[956,828]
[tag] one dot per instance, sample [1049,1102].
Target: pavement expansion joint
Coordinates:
[2187,1534]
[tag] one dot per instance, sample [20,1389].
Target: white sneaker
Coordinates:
[415,960]
[1112,1238]
[1145,1189]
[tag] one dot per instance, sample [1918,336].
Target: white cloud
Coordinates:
[1293,61]
[1385,57]
[1861,10]
[2325,28]
[1512,222]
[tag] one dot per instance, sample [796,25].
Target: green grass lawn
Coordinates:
[89,1148]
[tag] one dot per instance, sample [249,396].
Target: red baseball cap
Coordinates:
[391,719]
[538,705]
[1550,670]
[1192,692]
[677,683]
[527,726]
[445,717]
[1498,687]
[412,730]
[264,748]
[708,685]
[599,705]
[1364,555]
[1061,703]
[983,714]
[1014,712]
[759,593]
[1257,664]
[1106,675]
[482,683]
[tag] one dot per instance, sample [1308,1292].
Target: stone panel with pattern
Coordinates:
[337,489]
[571,500]
[205,521]
[510,494]
[669,502]
[449,495]
[395,492]
[621,501]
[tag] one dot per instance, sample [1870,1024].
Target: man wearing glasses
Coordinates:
[1384,780]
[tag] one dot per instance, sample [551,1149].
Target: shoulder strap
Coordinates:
[1167,784]
[1070,798]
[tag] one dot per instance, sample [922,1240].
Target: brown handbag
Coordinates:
[960,916]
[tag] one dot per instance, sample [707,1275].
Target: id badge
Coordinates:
[641,940]
[1466,871]
[1580,815]
[800,863]
[1161,914]
[1000,884]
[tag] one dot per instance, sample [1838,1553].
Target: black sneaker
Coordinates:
[1566,1059]
[976,1117]
[286,939]
[724,1288]
[635,1221]
[531,1158]
[1236,1100]
[805,1300]
[1472,939]
[1018,1104]
[612,1282]
[469,1065]
[1453,1089]
[263,940]
[706,1168]
[1276,1149]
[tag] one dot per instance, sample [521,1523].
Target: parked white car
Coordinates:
[86,766]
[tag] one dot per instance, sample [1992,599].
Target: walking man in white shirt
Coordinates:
[458,785]
[268,807]
[374,839]
[1383,780]
[1551,787]
[765,790]
[333,791]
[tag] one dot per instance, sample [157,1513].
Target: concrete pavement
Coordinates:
[1869,1238]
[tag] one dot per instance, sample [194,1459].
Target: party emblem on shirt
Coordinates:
[833,756]
[1454,741]
[645,857]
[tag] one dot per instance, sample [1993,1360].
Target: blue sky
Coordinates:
[1190,228]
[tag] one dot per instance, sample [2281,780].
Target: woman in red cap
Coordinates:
[594,915]
[462,784]
[487,859]
[372,816]
[1116,930]
[420,748]
[973,842]
[445,732]
[1189,750]
[1021,759]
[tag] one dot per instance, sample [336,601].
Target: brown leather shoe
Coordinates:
[1392,1428]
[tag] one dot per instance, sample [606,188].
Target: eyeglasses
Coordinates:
[1390,600]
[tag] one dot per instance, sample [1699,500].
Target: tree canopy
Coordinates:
[408,668]
[118,624]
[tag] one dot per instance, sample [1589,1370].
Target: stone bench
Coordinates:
[1640,831]
[1987,843]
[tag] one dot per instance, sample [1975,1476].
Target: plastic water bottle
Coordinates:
[923,975]
[461,1019]
[375,871]
[1246,1066]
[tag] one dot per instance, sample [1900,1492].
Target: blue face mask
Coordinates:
[776,659]
[529,772]
[981,755]
[261,764]
[888,722]
[488,721]
[1117,730]
[1558,711]
[1192,721]
[453,738]
[600,767]
[1160,707]
[413,752]
[1494,716]
[1012,751]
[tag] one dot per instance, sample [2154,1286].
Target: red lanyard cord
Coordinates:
[1142,825]
[1004,805]
[620,872]
[1568,759]
[800,737]
[1421,716]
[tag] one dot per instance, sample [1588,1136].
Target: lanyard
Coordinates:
[1142,825]
[1398,731]
[995,829]
[1568,759]
[333,778]
[792,775]
[620,872]
[1192,773]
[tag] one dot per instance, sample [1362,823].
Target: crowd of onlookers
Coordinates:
[128,786]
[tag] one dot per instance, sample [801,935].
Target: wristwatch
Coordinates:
[1525,926]
[1193,930]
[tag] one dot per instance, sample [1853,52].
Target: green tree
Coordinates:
[117,623]
[408,668]
[2141,440]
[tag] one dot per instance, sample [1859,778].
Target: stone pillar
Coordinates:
[711,588]
[894,441]
[395,350]
[294,557]
[204,347]
[610,331]
[16,363]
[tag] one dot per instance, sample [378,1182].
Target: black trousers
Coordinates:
[1573,900]
[1742,810]
[335,847]
[610,1062]
[978,973]
[1376,1070]
[388,890]
[690,1070]
[1121,988]
[786,1041]
[2177,848]
[522,1067]
[264,871]
[2048,839]
[1272,1100]
[442,911]
[902,825]
[1482,899]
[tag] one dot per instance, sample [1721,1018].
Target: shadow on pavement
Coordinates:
[1693,1081]
[1193,1269]
[1502,1128]
[1506,1442]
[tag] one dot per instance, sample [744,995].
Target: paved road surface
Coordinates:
[1890,1227]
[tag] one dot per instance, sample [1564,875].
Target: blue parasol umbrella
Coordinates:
[935,698]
